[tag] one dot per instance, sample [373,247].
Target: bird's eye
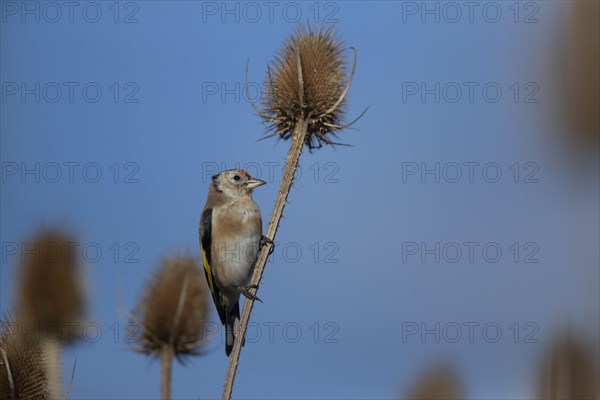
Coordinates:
[236,178]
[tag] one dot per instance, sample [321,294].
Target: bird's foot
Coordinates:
[265,241]
[245,290]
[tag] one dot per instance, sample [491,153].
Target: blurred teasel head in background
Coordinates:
[439,382]
[50,296]
[569,369]
[173,309]
[578,74]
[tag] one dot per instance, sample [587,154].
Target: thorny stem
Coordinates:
[293,158]
[51,349]
[166,365]
[167,351]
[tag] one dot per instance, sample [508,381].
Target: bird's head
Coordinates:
[235,182]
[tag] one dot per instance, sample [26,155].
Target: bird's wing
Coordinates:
[205,244]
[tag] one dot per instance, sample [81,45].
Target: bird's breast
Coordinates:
[237,231]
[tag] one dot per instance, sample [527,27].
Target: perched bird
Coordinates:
[230,239]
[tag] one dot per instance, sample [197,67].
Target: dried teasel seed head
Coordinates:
[173,309]
[307,81]
[50,296]
[22,364]
[438,383]
[579,73]
[569,370]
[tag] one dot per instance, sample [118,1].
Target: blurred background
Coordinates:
[454,245]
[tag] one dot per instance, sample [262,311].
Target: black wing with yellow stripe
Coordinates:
[205,244]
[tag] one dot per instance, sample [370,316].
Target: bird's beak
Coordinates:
[254,183]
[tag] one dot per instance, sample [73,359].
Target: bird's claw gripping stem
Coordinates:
[246,292]
[265,241]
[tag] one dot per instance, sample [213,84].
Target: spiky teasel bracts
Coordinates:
[307,83]
[22,363]
[171,315]
[173,308]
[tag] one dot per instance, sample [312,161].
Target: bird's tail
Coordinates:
[230,319]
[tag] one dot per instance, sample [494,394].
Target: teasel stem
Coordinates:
[293,159]
[166,366]
[51,349]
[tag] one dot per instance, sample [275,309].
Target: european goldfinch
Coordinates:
[230,239]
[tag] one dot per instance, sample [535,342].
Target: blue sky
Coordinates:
[157,105]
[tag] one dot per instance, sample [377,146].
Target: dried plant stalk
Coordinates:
[305,103]
[166,368]
[52,351]
[291,165]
